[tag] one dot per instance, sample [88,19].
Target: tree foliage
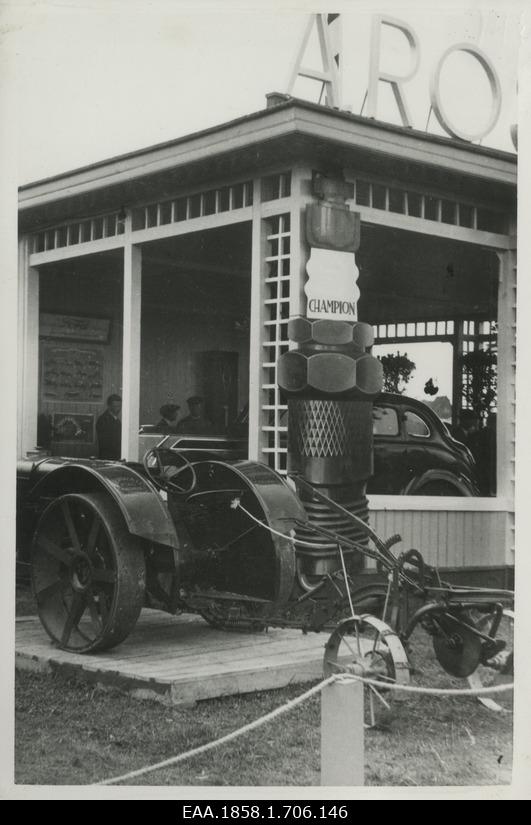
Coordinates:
[397,369]
[479,384]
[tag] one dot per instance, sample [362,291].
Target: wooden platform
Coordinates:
[180,659]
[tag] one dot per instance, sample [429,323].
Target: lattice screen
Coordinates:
[478,335]
[276,316]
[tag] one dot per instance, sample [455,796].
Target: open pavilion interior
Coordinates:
[196,294]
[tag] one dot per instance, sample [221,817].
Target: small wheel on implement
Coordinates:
[499,669]
[367,647]
[88,573]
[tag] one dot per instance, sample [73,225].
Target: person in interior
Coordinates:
[196,421]
[109,430]
[168,420]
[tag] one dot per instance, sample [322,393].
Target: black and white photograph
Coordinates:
[263,406]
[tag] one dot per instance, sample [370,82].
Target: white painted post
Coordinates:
[342,734]
[28,352]
[506,374]
[131,348]
[257,328]
[301,195]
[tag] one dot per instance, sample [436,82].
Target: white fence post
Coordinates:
[342,733]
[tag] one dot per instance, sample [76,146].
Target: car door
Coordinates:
[389,466]
[421,451]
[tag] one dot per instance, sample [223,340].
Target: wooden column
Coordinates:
[256,332]
[457,371]
[28,352]
[506,375]
[132,286]
[301,194]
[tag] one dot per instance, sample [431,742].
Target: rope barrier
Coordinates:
[292,703]
[486,691]
[289,705]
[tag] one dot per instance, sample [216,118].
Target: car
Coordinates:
[415,453]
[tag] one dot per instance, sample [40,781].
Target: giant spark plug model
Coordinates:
[246,548]
[330,380]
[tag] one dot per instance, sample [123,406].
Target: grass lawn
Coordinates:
[71,733]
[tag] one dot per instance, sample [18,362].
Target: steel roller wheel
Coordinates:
[241,515]
[368,647]
[500,669]
[88,573]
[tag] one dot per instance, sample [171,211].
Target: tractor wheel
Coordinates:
[88,573]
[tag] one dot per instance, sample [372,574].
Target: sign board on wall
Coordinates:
[72,427]
[71,373]
[74,327]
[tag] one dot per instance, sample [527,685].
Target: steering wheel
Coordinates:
[164,474]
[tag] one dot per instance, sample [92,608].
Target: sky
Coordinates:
[432,360]
[102,77]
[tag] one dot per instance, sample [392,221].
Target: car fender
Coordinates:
[145,513]
[462,484]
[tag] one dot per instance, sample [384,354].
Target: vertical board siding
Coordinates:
[512,430]
[447,538]
[506,387]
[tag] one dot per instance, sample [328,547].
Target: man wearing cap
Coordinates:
[196,422]
[109,430]
[168,421]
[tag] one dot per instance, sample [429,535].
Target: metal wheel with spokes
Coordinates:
[88,573]
[498,670]
[368,647]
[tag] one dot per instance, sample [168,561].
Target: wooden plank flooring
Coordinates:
[180,659]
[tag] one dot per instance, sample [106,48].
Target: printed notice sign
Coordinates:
[331,287]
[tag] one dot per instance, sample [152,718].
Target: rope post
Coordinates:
[342,733]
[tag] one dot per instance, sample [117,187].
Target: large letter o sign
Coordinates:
[435,96]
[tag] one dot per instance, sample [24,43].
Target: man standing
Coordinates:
[109,430]
[197,422]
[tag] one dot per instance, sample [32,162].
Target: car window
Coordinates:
[415,425]
[384,421]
